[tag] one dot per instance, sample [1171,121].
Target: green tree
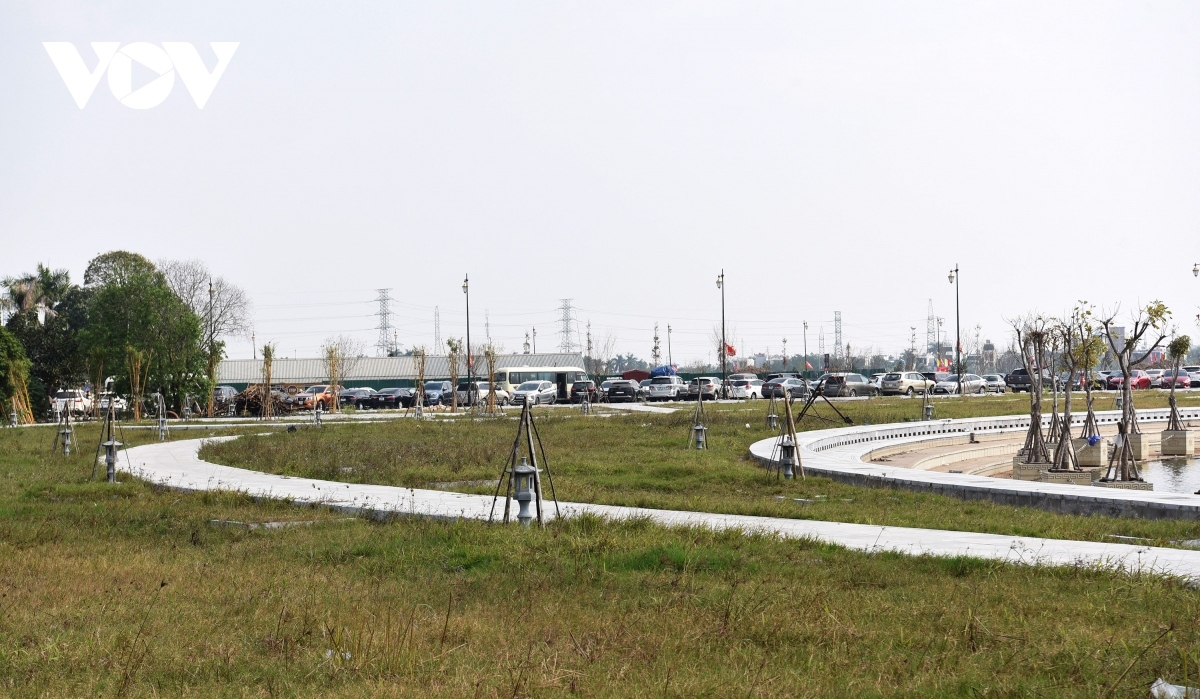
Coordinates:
[132,307]
[14,371]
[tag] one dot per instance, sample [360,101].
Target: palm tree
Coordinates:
[42,290]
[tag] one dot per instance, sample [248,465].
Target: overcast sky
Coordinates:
[829,156]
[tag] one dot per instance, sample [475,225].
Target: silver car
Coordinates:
[667,388]
[970,384]
[536,392]
[995,383]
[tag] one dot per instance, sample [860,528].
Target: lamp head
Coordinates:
[1196,270]
[951,276]
[464,284]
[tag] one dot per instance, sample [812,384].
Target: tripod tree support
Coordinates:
[521,476]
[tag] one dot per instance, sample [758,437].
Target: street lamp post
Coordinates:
[670,361]
[724,358]
[470,374]
[957,336]
[804,362]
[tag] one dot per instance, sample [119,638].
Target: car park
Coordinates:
[703,388]
[748,389]
[1180,380]
[848,385]
[667,388]
[905,383]
[970,383]
[995,383]
[1138,379]
[623,391]
[584,390]
[793,386]
[535,393]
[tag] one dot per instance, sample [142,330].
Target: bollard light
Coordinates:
[1120,400]
[928,412]
[772,421]
[526,480]
[317,416]
[162,427]
[12,419]
[110,459]
[789,456]
[65,432]
[698,434]
[585,406]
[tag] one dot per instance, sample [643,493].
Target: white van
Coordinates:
[561,376]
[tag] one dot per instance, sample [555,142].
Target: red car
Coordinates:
[1181,380]
[1137,379]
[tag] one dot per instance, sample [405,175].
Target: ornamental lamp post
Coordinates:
[788,456]
[471,397]
[110,459]
[524,486]
[957,335]
[698,431]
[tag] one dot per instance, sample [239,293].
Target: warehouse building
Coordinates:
[377,372]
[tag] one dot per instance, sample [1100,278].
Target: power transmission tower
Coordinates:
[783,366]
[931,338]
[487,326]
[567,344]
[912,348]
[837,334]
[437,330]
[656,353]
[385,343]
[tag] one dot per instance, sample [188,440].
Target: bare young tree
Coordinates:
[1032,332]
[341,357]
[455,346]
[224,307]
[1068,338]
[1149,321]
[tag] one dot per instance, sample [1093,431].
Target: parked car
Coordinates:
[119,404]
[748,389]
[1138,379]
[223,399]
[536,392]
[793,386]
[875,380]
[1100,380]
[1018,380]
[970,384]
[438,392]
[905,382]
[74,401]
[644,389]
[466,396]
[1193,374]
[386,398]
[314,397]
[781,375]
[1180,380]
[581,390]
[604,385]
[667,388]
[622,391]
[704,388]
[995,383]
[355,397]
[848,385]
[1155,377]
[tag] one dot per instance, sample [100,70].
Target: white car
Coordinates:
[119,404]
[970,384]
[536,392]
[748,389]
[667,388]
[74,401]
[1155,377]
[1193,374]
[876,381]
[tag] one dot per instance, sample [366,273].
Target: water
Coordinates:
[1173,475]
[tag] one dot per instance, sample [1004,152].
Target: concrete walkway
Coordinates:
[177,465]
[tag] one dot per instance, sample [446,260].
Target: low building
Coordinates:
[376,372]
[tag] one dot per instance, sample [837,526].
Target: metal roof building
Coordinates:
[376,372]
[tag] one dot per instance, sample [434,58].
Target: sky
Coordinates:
[826,156]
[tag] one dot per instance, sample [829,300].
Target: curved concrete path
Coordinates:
[177,465]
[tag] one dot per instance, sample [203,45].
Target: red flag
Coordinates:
[730,351]
[807,365]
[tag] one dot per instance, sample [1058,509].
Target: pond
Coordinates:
[1173,474]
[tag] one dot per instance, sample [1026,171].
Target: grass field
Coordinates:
[642,460]
[129,590]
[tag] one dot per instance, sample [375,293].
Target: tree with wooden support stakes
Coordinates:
[1068,337]
[1032,333]
[1176,439]
[1146,322]
[1089,350]
[521,476]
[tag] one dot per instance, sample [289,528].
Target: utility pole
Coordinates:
[785,356]
[535,340]
[669,359]
[957,330]
[724,345]
[212,351]
[804,365]
[470,369]
[437,330]
[913,348]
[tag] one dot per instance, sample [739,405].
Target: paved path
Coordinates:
[176,465]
